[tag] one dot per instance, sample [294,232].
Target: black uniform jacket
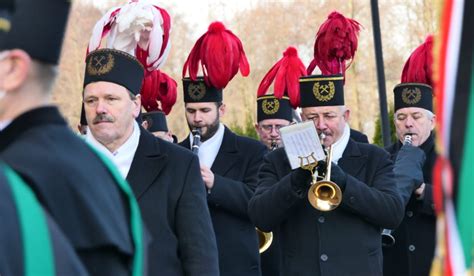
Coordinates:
[12,252]
[168,185]
[270,259]
[359,136]
[74,186]
[345,241]
[415,238]
[235,178]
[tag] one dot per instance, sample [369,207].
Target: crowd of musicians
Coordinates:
[124,197]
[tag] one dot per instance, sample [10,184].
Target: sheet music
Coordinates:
[301,140]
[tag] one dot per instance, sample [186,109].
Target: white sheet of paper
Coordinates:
[302,143]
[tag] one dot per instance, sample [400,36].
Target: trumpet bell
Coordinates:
[264,240]
[325,195]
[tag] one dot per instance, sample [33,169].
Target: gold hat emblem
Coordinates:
[5,25]
[411,95]
[324,92]
[196,91]
[270,106]
[100,64]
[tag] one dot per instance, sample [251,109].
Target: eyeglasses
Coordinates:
[269,128]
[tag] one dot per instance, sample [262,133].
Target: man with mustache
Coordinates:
[414,247]
[317,241]
[164,177]
[69,179]
[229,162]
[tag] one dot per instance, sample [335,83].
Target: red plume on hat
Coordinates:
[336,42]
[418,67]
[285,74]
[158,92]
[220,54]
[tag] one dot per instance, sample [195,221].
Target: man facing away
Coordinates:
[70,181]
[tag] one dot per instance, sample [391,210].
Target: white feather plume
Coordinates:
[133,22]
[98,29]
[138,23]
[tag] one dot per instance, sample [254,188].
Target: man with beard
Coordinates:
[164,177]
[229,163]
[413,251]
[97,213]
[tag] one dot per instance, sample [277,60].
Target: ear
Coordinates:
[137,105]
[145,124]
[346,115]
[18,68]
[256,127]
[222,110]
[433,122]
[303,117]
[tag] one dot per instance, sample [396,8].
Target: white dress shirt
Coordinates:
[209,149]
[341,144]
[123,156]
[4,124]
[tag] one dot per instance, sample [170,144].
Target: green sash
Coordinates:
[38,256]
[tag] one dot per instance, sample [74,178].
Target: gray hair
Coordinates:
[45,75]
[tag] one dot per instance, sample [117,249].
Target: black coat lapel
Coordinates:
[227,155]
[185,143]
[352,159]
[147,163]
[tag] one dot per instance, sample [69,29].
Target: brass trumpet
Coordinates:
[264,240]
[325,195]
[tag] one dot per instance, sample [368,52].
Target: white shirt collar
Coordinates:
[209,149]
[4,124]
[123,156]
[341,144]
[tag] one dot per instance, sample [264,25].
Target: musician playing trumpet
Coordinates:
[413,251]
[346,240]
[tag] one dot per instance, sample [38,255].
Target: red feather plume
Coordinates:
[220,54]
[286,73]
[158,92]
[418,67]
[336,42]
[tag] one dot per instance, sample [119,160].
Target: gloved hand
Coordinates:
[409,165]
[338,176]
[300,180]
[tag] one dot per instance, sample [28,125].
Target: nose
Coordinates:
[409,122]
[320,124]
[197,118]
[101,107]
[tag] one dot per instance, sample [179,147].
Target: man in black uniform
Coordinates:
[347,240]
[229,163]
[164,177]
[413,251]
[68,178]
[272,114]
